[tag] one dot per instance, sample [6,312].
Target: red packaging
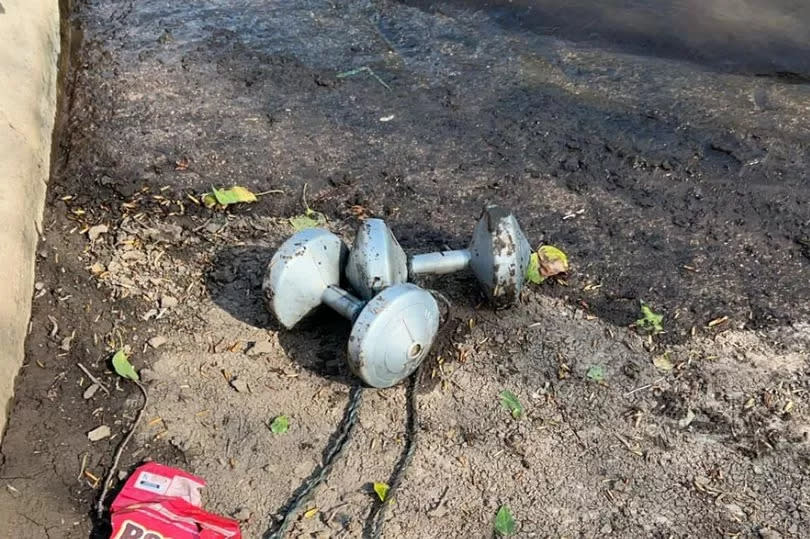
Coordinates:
[159,502]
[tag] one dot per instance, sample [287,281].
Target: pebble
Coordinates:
[95,231]
[261,347]
[167,302]
[767,533]
[239,385]
[99,433]
[158,341]
[90,391]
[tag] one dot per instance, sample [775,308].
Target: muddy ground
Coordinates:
[673,178]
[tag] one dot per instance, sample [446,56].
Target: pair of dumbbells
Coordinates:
[394,321]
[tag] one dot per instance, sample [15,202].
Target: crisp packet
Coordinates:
[159,502]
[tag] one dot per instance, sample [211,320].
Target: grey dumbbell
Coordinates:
[498,256]
[391,334]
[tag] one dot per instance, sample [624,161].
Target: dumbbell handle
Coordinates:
[343,302]
[439,263]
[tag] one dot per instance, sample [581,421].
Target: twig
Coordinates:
[364,69]
[93,378]
[120,450]
[270,192]
[647,386]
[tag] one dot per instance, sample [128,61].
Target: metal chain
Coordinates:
[331,454]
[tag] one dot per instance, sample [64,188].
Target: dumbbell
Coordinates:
[391,334]
[498,256]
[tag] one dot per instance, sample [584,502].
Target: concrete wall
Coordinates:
[28,73]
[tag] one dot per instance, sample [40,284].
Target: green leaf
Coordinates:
[533,271]
[546,262]
[504,522]
[310,219]
[382,490]
[122,366]
[650,321]
[280,424]
[511,403]
[596,373]
[552,261]
[226,197]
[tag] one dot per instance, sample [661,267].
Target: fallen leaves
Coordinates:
[382,490]
[280,424]
[547,262]
[308,219]
[596,373]
[511,403]
[122,366]
[227,197]
[504,522]
[650,321]
[663,363]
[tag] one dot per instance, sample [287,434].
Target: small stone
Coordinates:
[122,474]
[97,268]
[158,341]
[99,433]
[39,285]
[239,385]
[242,514]
[767,533]
[147,375]
[95,231]
[607,529]
[90,391]
[148,315]
[168,302]
[261,347]
[687,420]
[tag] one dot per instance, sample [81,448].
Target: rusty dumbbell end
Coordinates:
[498,255]
[391,332]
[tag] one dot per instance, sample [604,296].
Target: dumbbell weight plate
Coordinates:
[393,334]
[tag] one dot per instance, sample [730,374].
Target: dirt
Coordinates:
[674,182]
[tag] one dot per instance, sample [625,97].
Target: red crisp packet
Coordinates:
[159,502]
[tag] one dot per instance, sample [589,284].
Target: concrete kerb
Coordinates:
[28,93]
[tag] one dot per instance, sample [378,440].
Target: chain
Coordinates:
[330,456]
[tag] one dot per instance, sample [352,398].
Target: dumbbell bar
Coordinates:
[391,334]
[498,256]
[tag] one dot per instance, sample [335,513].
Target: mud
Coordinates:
[667,178]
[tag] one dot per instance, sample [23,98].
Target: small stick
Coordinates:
[93,378]
[642,388]
[120,450]
[270,192]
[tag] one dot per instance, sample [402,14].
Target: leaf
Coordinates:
[122,366]
[650,321]
[662,362]
[310,219]
[382,490]
[504,522]
[533,271]
[511,403]
[596,373]
[226,197]
[552,261]
[280,424]
[309,513]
